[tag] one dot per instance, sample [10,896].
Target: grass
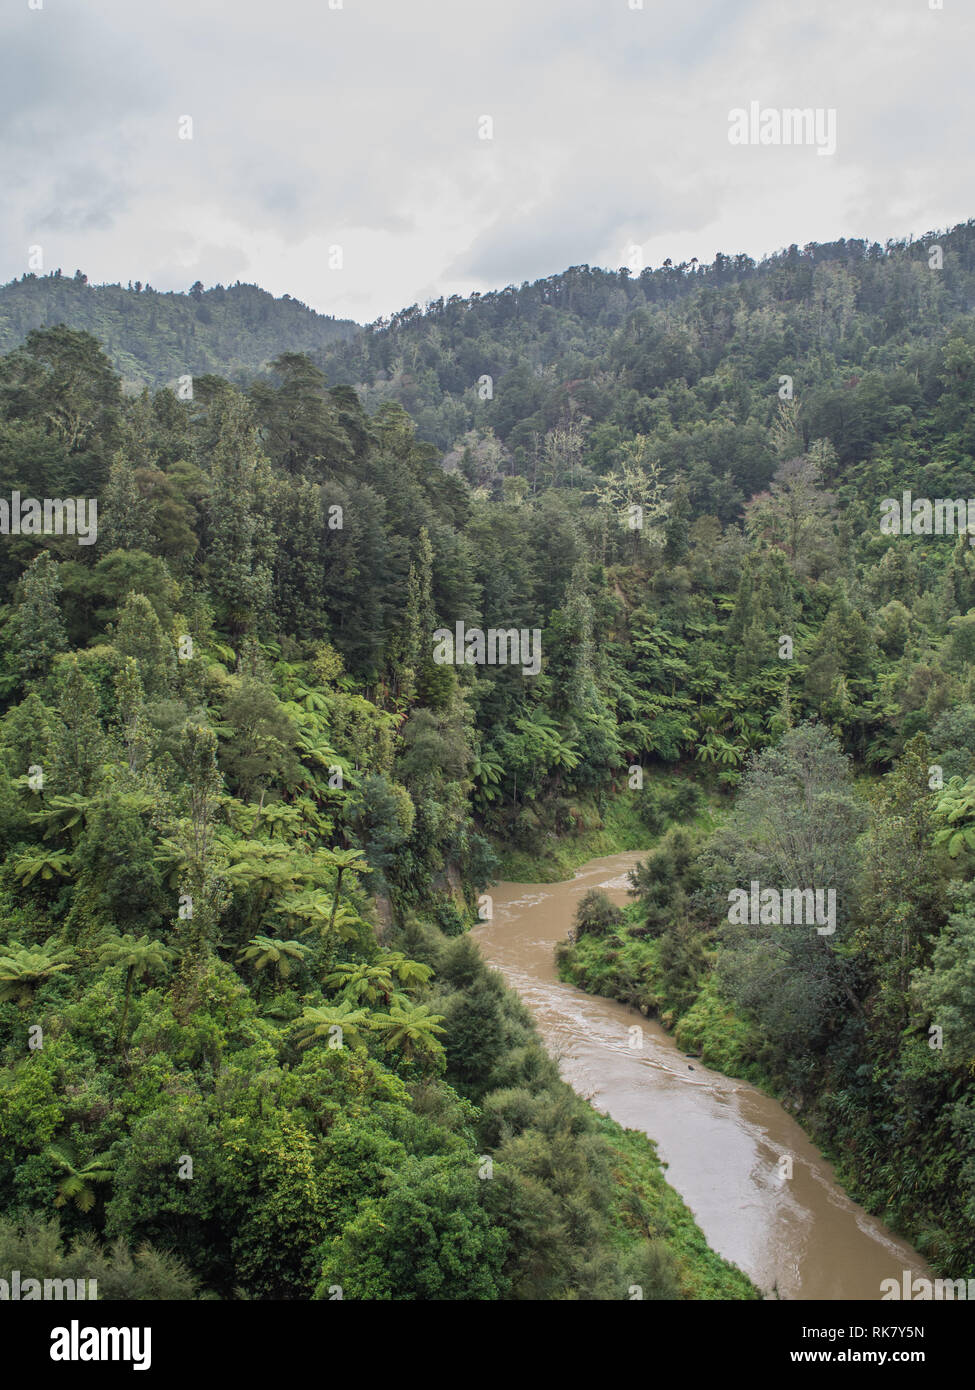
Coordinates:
[645,1205]
[611,826]
[554,857]
[713,1031]
[627,968]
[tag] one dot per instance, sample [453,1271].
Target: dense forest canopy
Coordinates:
[154,338]
[246,813]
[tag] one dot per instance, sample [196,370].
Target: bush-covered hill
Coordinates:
[231,703]
[153,338]
[245,1050]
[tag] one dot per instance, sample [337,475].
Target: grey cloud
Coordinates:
[359,126]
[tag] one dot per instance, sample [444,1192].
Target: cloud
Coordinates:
[359,127]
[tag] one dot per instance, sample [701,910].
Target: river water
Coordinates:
[722,1139]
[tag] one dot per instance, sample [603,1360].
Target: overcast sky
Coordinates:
[358,127]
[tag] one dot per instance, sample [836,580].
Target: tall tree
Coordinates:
[35,631]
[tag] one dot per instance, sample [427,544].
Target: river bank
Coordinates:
[763,1195]
[608,828]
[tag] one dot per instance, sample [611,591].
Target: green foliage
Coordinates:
[427,1237]
[147,333]
[35,631]
[77,1179]
[36,1247]
[595,915]
[23,969]
[945,989]
[245,814]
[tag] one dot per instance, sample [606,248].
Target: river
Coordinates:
[721,1138]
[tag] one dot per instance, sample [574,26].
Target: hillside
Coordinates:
[238,702]
[584,344]
[689,356]
[153,338]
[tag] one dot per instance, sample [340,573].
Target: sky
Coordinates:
[360,125]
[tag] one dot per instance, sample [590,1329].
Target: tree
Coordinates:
[636,483]
[201,887]
[35,1246]
[668,880]
[28,734]
[132,714]
[127,524]
[24,968]
[787,435]
[953,742]
[797,512]
[596,914]
[241,533]
[426,1238]
[946,989]
[677,529]
[341,1021]
[60,377]
[141,958]
[413,1029]
[381,814]
[35,630]
[41,864]
[121,573]
[139,635]
[78,1182]
[303,433]
[794,827]
[192,1219]
[901,893]
[118,882]
[341,860]
[257,739]
[363,983]
[265,952]
[475,1039]
[408,972]
[419,670]
[281,1220]
[79,745]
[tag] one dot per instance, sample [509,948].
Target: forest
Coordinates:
[248,1049]
[154,338]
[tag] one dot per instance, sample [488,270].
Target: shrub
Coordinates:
[596,915]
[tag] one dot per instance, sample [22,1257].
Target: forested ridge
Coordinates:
[153,338]
[247,815]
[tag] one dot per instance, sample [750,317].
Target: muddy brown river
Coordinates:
[722,1139]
